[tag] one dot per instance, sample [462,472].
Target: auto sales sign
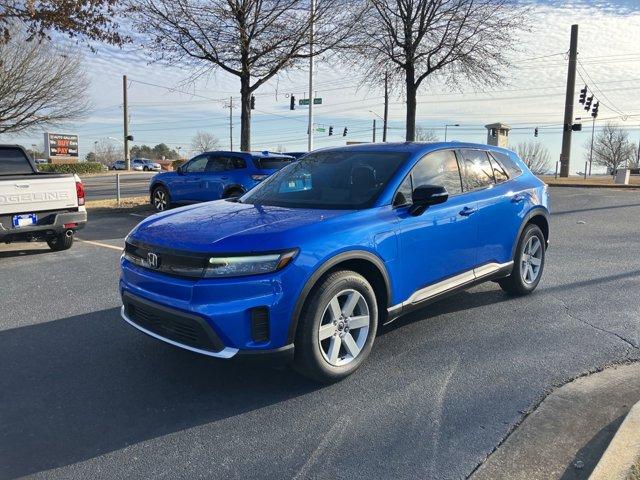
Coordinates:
[60,145]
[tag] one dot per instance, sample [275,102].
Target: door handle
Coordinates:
[517,198]
[466,211]
[224,178]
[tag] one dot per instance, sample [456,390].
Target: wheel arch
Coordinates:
[233,186]
[538,216]
[363,262]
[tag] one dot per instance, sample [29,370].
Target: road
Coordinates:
[83,395]
[103,187]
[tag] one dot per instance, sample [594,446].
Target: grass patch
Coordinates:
[130,204]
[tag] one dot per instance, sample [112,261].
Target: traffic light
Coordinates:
[594,112]
[345,131]
[587,106]
[253,102]
[583,95]
[292,102]
[330,130]
[535,132]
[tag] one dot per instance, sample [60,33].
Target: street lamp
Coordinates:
[447,126]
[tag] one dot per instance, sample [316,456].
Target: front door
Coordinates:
[441,242]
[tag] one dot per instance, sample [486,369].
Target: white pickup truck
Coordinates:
[35,205]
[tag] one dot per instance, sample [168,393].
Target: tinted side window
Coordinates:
[507,163]
[438,168]
[13,162]
[239,163]
[403,195]
[498,172]
[476,170]
[218,164]
[196,165]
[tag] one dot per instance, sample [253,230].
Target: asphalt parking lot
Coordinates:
[102,187]
[83,395]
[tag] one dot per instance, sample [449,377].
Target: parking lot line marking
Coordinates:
[99,244]
[138,215]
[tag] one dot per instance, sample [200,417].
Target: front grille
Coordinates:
[173,262]
[180,327]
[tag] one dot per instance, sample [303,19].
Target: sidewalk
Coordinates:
[567,434]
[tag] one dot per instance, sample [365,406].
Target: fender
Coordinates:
[324,268]
[537,211]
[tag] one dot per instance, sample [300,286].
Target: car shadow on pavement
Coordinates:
[19,252]
[589,455]
[79,387]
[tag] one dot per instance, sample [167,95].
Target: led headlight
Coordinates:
[248,265]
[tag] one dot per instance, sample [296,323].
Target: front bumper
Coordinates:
[224,308]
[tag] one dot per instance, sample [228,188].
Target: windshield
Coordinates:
[339,179]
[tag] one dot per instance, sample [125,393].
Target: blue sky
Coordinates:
[533,94]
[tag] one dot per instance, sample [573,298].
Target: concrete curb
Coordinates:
[591,185]
[623,451]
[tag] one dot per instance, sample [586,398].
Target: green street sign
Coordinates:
[305,101]
[320,129]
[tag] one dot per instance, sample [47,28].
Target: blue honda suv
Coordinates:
[213,175]
[309,263]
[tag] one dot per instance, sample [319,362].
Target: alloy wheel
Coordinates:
[531,260]
[344,327]
[160,200]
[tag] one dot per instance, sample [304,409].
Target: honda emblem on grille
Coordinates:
[153,259]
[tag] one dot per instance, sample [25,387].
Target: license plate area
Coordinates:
[25,220]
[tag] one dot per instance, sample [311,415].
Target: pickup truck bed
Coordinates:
[38,206]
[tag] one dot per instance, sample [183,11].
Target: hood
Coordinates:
[231,227]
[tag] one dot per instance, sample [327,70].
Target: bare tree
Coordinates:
[106,152]
[91,20]
[635,159]
[40,85]
[425,135]
[535,155]
[611,147]
[412,40]
[251,39]
[203,142]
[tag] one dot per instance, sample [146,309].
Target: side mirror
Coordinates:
[426,195]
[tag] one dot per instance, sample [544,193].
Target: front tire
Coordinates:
[60,242]
[337,327]
[528,263]
[161,199]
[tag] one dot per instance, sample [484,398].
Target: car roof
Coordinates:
[263,154]
[410,147]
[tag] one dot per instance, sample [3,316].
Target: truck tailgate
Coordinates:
[39,192]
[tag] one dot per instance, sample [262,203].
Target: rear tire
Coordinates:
[160,199]
[337,327]
[60,242]
[528,263]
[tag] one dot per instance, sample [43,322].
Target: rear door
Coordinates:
[498,206]
[214,177]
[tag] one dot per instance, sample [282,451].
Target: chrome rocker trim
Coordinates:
[226,352]
[449,284]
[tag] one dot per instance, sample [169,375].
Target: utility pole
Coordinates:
[311,32]
[386,106]
[565,155]
[593,128]
[231,124]
[374,130]
[125,108]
